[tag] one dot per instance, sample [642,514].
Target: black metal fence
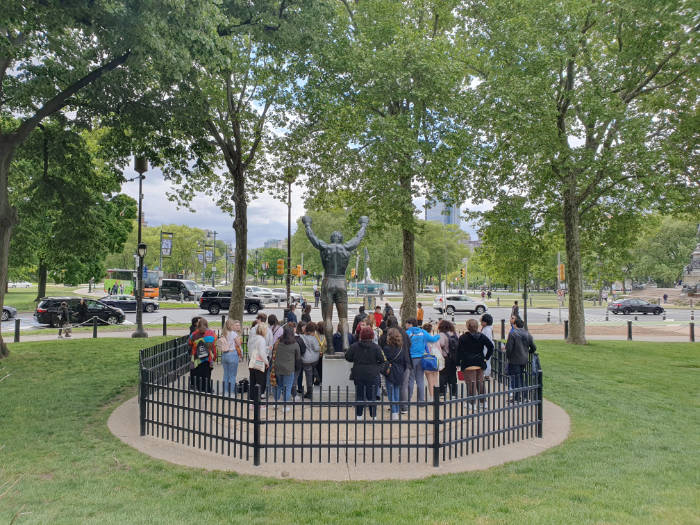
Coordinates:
[327,428]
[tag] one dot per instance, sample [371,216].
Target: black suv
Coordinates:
[215,301]
[48,309]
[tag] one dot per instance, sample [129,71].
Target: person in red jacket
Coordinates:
[378,317]
[202,356]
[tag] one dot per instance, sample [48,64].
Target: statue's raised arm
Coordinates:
[355,241]
[315,241]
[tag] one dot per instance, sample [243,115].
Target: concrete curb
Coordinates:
[124,424]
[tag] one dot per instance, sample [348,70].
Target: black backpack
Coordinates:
[302,344]
[452,346]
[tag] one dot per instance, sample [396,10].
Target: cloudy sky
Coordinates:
[267,217]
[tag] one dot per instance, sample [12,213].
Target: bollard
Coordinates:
[629,330]
[692,332]
[453,319]
[530,302]
[549,318]
[223,321]
[566,328]
[606,316]
[503,328]
[165,325]
[692,315]
[498,301]
[635,318]
[94,327]
[664,317]
[17,323]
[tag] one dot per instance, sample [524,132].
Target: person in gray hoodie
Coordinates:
[310,357]
[518,349]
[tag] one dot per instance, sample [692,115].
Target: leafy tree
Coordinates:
[65,197]
[215,131]
[53,54]
[380,131]
[512,240]
[663,250]
[585,107]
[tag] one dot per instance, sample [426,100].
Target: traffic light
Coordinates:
[280,266]
[353,273]
[295,272]
[461,273]
[298,270]
[304,272]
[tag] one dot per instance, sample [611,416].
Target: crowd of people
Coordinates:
[285,360]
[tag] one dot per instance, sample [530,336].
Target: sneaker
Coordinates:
[307,396]
[360,418]
[395,416]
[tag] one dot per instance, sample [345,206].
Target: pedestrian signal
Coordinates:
[304,272]
[280,266]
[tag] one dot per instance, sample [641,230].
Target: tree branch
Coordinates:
[638,89]
[61,99]
[347,8]
[258,133]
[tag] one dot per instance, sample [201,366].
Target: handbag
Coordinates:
[429,362]
[385,366]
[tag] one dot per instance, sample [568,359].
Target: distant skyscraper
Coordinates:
[441,212]
[276,243]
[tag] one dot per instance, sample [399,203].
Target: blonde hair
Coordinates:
[369,321]
[230,326]
[472,326]
[202,324]
[261,329]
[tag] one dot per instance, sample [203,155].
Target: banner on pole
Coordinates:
[166,244]
[200,257]
[209,254]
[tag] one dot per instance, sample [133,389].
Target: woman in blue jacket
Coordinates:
[419,342]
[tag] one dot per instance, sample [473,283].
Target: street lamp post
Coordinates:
[141,166]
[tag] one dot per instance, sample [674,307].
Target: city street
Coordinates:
[535,316]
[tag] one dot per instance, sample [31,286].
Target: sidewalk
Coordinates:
[124,424]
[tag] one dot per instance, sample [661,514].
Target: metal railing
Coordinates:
[327,428]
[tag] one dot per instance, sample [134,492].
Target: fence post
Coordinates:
[629,330]
[165,325]
[539,403]
[143,394]
[692,332]
[17,323]
[503,328]
[94,327]
[256,425]
[436,426]
[566,328]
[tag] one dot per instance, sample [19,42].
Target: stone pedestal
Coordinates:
[336,375]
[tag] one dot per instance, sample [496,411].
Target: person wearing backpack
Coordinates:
[449,343]
[366,357]
[202,356]
[398,362]
[471,359]
[297,384]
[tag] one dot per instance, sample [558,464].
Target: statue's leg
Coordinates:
[327,313]
[342,306]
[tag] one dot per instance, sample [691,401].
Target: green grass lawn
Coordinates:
[632,456]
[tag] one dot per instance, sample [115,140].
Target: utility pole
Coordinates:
[289,244]
[559,285]
[213,261]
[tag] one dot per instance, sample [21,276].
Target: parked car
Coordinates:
[207,288]
[8,312]
[172,288]
[215,301]
[21,284]
[48,308]
[282,292]
[128,303]
[459,303]
[264,294]
[628,306]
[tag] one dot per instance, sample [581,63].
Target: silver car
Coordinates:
[459,303]
[263,294]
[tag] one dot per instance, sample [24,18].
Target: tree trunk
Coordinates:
[525,304]
[408,306]
[577,321]
[240,226]
[41,274]
[8,219]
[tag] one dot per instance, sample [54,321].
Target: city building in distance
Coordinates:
[276,243]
